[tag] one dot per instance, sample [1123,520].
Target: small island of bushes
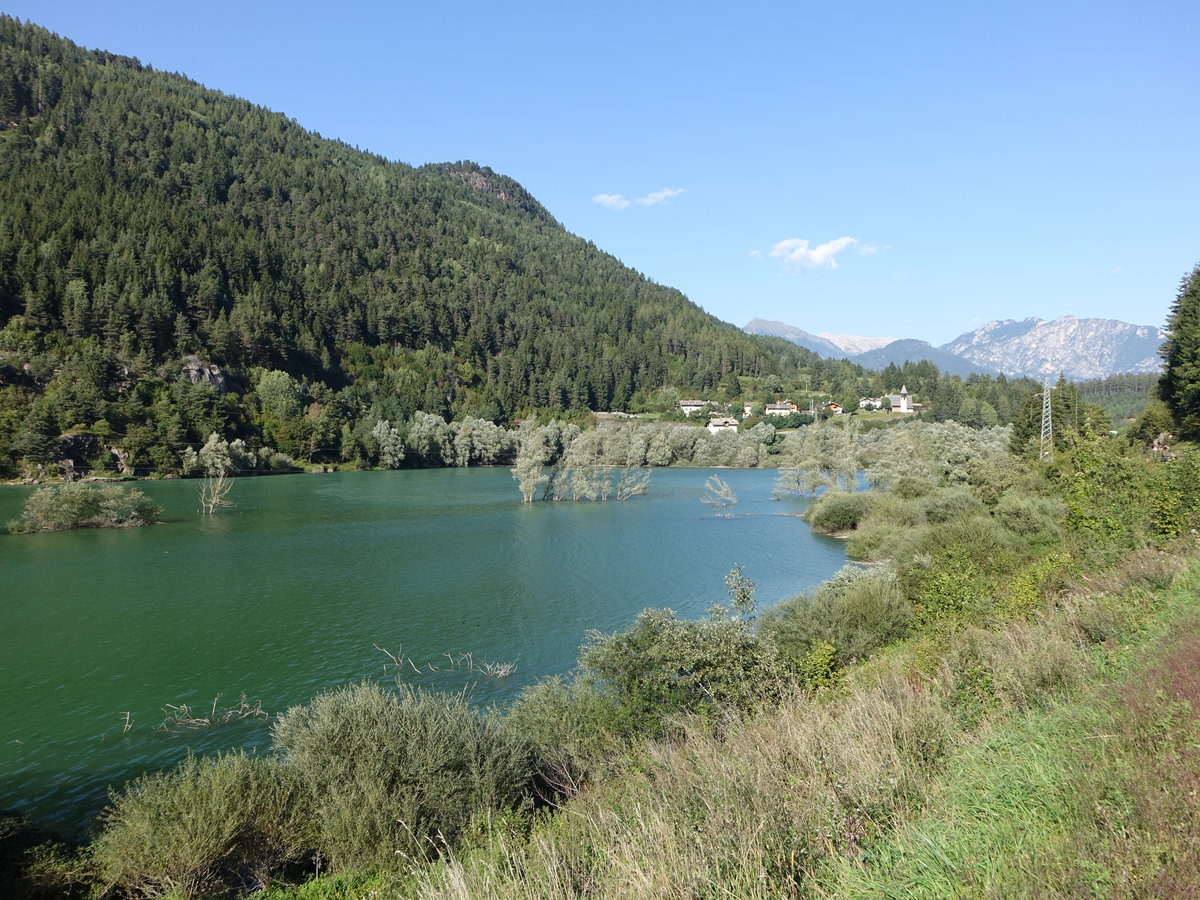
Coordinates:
[66,506]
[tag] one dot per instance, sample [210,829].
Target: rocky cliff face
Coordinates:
[1080,348]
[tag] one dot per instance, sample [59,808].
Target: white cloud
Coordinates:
[612,201]
[654,198]
[797,254]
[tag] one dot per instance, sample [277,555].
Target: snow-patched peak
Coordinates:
[853,344]
[1079,348]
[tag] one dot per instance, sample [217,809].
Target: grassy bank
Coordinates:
[1092,795]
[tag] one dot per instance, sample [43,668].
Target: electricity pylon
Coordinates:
[1047,448]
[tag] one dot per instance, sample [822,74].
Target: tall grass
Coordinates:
[751,812]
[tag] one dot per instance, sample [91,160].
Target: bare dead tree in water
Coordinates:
[214,493]
[719,492]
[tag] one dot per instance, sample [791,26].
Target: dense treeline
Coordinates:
[148,219]
[175,262]
[1121,396]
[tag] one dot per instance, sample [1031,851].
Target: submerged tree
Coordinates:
[532,454]
[586,465]
[719,492]
[219,457]
[214,493]
[632,482]
[820,456]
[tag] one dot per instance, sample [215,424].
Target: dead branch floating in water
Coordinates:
[491,669]
[461,661]
[180,718]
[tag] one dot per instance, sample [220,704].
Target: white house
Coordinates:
[722,424]
[786,408]
[691,406]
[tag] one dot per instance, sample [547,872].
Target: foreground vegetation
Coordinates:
[993,704]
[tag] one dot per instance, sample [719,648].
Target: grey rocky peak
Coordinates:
[1079,348]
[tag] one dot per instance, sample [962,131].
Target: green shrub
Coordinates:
[836,512]
[663,665]
[980,539]
[569,726]
[909,487]
[1030,517]
[209,826]
[66,506]
[875,540]
[895,510]
[993,477]
[949,571]
[946,506]
[34,865]
[397,775]
[855,612]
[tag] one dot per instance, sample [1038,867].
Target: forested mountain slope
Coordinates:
[146,218]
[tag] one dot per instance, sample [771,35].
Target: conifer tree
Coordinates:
[1179,386]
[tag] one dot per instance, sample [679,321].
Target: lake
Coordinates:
[309,579]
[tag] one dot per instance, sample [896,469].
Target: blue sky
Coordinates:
[878,168]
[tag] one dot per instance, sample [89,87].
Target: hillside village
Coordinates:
[900,403]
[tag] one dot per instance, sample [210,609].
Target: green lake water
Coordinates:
[289,593]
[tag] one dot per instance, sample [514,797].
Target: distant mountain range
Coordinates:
[1079,348]
[831,346]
